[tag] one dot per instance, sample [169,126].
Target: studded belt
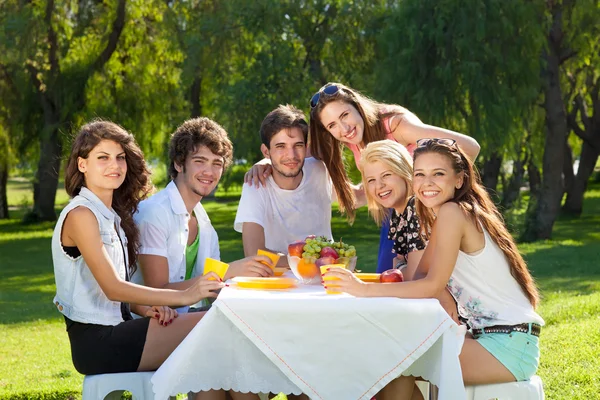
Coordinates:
[524,328]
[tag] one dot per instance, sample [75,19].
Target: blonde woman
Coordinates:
[472,252]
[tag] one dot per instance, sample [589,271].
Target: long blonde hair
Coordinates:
[398,160]
[474,200]
[324,147]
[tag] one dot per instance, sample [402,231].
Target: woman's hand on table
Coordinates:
[256,266]
[347,282]
[258,174]
[164,314]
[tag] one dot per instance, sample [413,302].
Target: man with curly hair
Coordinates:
[176,233]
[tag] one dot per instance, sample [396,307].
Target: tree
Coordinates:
[470,76]
[582,74]
[572,48]
[61,47]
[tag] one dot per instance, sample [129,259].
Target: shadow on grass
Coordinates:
[27,281]
[566,267]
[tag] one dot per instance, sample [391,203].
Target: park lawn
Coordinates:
[35,351]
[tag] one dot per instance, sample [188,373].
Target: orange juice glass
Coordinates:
[216,266]
[274,257]
[328,279]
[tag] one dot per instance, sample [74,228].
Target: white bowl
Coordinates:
[293,262]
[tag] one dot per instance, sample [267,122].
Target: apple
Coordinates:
[391,275]
[325,261]
[328,251]
[311,237]
[296,248]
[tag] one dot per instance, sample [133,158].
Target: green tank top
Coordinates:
[191,254]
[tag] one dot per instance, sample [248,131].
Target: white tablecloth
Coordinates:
[303,340]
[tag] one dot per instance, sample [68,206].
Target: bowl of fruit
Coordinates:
[306,256]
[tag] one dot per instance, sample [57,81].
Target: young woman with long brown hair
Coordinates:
[94,253]
[472,252]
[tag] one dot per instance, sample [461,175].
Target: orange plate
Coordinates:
[367,277]
[264,283]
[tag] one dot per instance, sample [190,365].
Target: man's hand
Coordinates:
[250,266]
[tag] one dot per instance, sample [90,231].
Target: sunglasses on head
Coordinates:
[442,141]
[328,90]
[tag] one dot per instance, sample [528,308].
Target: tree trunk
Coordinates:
[60,102]
[568,174]
[491,171]
[535,181]
[3,191]
[548,205]
[574,203]
[511,191]
[46,182]
[195,93]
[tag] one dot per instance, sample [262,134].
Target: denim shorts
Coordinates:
[519,352]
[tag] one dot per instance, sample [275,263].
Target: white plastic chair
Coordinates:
[526,390]
[112,386]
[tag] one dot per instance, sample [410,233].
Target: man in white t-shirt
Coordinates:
[176,234]
[296,200]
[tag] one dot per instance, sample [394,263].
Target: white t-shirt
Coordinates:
[486,292]
[289,215]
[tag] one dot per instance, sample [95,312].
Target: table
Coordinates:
[304,340]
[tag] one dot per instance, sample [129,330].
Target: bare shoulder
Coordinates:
[451,213]
[80,219]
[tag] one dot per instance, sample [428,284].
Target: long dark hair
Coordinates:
[474,200]
[326,148]
[135,187]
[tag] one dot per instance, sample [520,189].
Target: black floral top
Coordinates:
[405,230]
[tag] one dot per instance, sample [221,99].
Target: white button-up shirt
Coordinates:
[163,222]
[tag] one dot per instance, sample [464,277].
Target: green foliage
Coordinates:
[234,177]
[471,75]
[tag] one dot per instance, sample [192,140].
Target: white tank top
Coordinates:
[486,292]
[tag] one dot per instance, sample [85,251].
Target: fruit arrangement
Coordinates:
[314,252]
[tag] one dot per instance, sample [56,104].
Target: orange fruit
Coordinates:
[307,269]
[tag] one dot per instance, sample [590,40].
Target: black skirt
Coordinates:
[100,349]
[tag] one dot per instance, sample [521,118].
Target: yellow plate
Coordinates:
[264,283]
[367,277]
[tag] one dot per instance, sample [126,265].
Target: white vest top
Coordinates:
[486,292]
[78,295]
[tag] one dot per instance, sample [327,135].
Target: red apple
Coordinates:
[325,261]
[391,275]
[311,237]
[329,252]
[296,248]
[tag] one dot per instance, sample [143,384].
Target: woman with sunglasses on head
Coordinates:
[94,253]
[341,116]
[471,250]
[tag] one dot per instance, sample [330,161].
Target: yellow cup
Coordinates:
[216,266]
[274,257]
[328,279]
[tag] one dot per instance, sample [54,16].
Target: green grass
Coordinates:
[34,349]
